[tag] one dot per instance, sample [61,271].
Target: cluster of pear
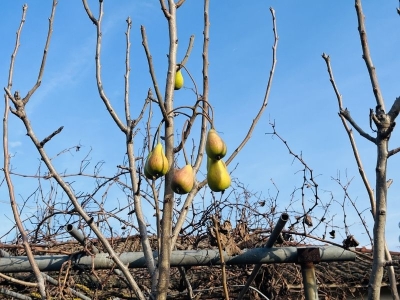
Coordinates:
[157,165]
[218,177]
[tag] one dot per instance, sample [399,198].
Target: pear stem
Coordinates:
[157,134]
[183,142]
[211,120]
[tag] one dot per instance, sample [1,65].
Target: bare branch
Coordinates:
[216,227]
[100,88]
[89,12]
[343,112]
[17,44]
[332,80]
[6,159]
[17,281]
[165,9]
[394,110]
[367,56]
[205,103]
[127,71]
[268,89]
[134,178]
[153,73]
[188,51]
[346,114]
[45,51]
[42,143]
[393,152]
[204,121]
[179,3]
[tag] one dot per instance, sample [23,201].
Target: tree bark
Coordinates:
[380,220]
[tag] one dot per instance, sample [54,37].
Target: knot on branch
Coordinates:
[383,122]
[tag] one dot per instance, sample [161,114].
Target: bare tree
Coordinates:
[137,186]
[384,123]
[157,120]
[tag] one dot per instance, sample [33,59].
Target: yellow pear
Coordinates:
[146,171]
[215,146]
[217,175]
[183,180]
[178,80]
[157,163]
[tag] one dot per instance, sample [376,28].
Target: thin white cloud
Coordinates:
[15,144]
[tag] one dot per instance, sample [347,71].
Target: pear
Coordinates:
[183,180]
[157,163]
[146,171]
[217,175]
[178,80]
[215,146]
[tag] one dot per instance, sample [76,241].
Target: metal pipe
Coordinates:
[273,237]
[309,281]
[307,258]
[277,230]
[15,264]
[76,234]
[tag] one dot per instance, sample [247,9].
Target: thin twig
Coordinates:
[153,73]
[267,92]
[134,178]
[221,256]
[350,135]
[17,281]
[100,88]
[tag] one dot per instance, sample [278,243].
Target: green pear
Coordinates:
[215,146]
[183,180]
[157,163]
[178,80]
[217,175]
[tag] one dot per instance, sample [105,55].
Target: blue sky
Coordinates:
[301,102]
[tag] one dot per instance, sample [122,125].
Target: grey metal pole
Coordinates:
[76,234]
[273,237]
[306,258]
[15,264]
[309,281]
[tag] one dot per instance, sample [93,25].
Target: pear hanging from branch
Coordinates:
[215,145]
[183,179]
